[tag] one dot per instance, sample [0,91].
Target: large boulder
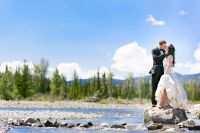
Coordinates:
[164,116]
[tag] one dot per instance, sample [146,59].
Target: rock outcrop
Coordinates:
[164,116]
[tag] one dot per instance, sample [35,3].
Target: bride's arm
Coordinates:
[169,63]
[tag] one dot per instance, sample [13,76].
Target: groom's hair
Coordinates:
[162,42]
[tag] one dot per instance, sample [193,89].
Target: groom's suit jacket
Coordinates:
[158,56]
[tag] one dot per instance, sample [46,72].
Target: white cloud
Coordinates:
[190,67]
[67,69]
[132,58]
[182,13]
[129,58]
[152,20]
[197,53]
[13,65]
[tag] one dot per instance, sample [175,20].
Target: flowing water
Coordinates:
[110,116]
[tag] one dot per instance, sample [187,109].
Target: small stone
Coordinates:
[118,126]
[84,125]
[196,128]
[87,125]
[90,124]
[63,124]
[38,120]
[187,123]
[21,122]
[78,124]
[55,124]
[47,123]
[30,120]
[70,125]
[154,126]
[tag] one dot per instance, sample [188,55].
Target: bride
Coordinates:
[169,92]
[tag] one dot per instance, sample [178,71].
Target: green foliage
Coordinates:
[6,85]
[55,84]
[40,82]
[34,84]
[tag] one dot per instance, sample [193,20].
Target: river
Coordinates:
[110,116]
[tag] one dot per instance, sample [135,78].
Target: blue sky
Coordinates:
[89,32]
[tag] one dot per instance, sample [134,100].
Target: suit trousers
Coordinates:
[159,71]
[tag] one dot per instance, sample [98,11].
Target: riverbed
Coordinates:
[109,116]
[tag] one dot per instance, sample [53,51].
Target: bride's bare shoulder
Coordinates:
[170,58]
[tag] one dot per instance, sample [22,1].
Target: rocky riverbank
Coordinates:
[172,120]
[46,118]
[37,123]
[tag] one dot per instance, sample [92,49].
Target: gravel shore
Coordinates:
[3,126]
[70,104]
[45,115]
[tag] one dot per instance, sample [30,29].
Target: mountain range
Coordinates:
[181,77]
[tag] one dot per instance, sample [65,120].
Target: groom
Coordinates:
[157,71]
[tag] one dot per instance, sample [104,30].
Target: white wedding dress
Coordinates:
[175,92]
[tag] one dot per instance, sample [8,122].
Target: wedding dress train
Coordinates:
[175,92]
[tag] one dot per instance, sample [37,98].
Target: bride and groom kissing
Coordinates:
[167,92]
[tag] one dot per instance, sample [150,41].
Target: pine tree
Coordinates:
[63,87]
[41,83]
[110,83]
[129,88]
[18,83]
[6,85]
[55,84]
[26,82]
[75,87]
[104,86]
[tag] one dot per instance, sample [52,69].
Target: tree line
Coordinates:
[34,83]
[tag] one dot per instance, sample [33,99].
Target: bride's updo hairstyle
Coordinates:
[171,51]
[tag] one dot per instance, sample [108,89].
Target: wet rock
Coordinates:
[63,124]
[90,124]
[38,120]
[18,122]
[48,123]
[187,123]
[30,120]
[70,125]
[167,116]
[124,124]
[21,122]
[87,125]
[78,124]
[118,126]
[154,126]
[196,128]
[55,124]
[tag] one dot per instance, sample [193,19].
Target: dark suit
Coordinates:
[157,71]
